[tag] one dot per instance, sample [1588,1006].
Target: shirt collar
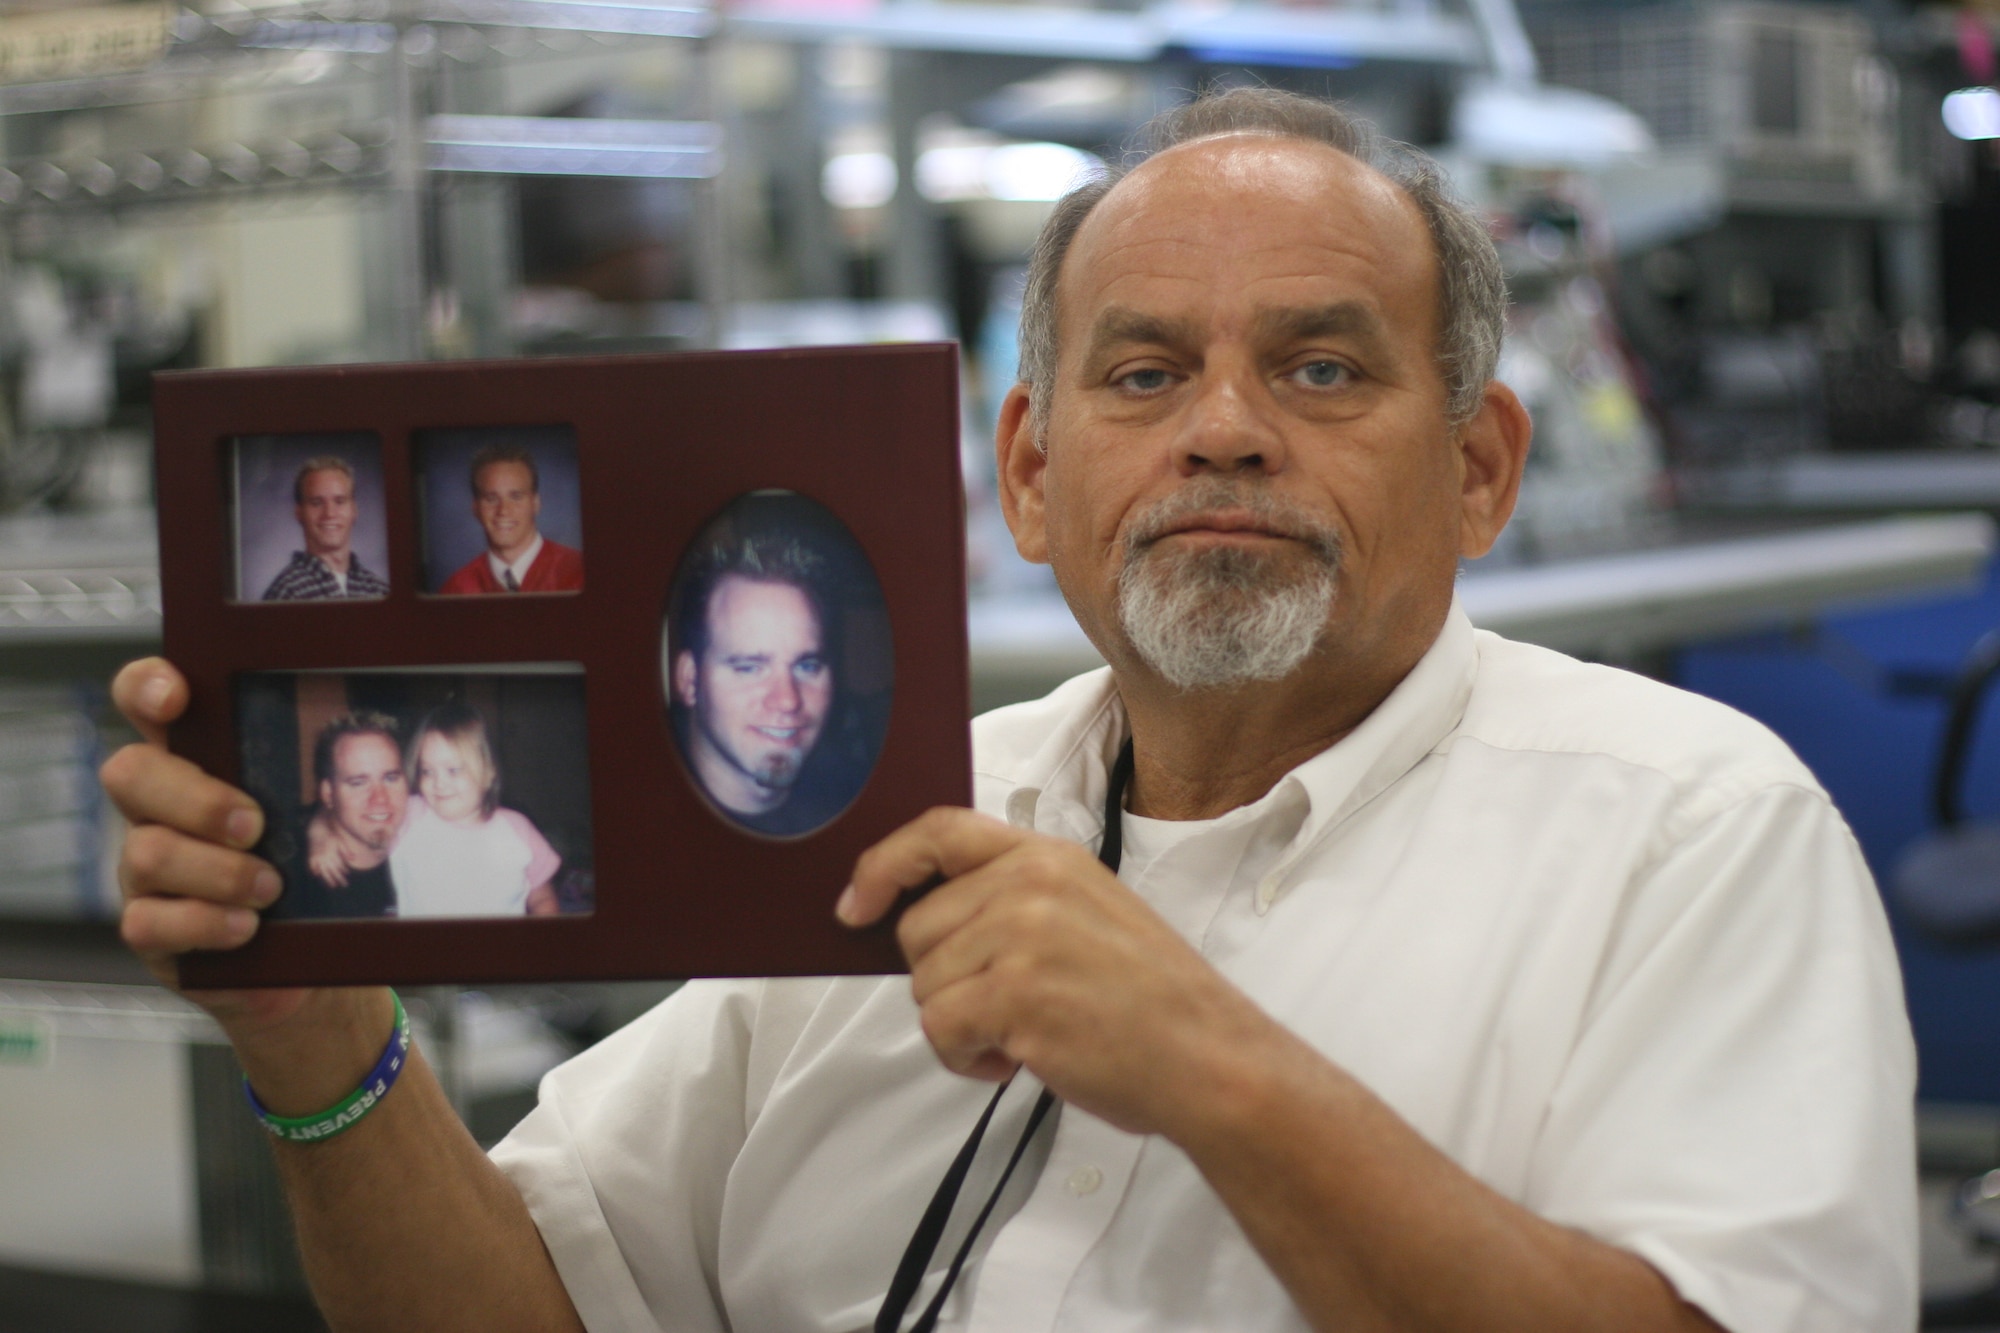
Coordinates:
[520,565]
[1063,794]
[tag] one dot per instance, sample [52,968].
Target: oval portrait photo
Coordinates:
[777,664]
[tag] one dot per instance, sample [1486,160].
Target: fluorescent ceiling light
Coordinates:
[574,146]
[1533,125]
[1973,113]
[1033,172]
[858,180]
[312,35]
[646,18]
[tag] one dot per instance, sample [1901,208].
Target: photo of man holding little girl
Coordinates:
[421,794]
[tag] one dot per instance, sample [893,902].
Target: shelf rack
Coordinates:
[1247,33]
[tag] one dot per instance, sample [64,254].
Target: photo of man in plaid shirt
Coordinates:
[324,497]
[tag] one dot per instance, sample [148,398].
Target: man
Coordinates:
[323,503]
[1447,984]
[507,501]
[753,684]
[365,795]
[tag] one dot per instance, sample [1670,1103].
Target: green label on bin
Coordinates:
[26,1039]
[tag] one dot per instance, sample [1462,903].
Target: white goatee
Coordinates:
[1222,617]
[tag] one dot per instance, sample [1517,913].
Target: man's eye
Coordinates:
[811,666]
[1321,374]
[1145,381]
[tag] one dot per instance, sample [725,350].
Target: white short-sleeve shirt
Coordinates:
[1605,944]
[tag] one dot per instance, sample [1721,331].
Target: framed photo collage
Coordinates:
[568,669]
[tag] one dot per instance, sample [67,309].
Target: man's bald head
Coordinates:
[1472,293]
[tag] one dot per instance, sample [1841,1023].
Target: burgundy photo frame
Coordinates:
[664,443]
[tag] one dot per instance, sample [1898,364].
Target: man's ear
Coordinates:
[1021,467]
[1493,447]
[684,677]
[326,795]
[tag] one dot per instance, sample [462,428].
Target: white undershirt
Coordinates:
[339,575]
[1185,867]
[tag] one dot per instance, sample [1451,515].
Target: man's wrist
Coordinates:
[1245,1084]
[320,1053]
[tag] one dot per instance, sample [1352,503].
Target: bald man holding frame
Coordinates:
[1443,982]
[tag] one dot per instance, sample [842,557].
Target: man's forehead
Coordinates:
[1236,191]
[353,751]
[740,597]
[327,478]
[517,474]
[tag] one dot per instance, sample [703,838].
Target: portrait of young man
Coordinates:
[326,566]
[1354,968]
[753,645]
[506,484]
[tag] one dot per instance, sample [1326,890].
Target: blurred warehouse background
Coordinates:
[1755,252]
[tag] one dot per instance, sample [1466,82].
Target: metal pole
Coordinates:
[712,283]
[414,48]
[914,263]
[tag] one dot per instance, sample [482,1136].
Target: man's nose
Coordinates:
[784,694]
[1230,423]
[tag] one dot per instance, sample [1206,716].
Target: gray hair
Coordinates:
[1472,290]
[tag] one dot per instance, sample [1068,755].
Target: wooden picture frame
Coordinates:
[663,445]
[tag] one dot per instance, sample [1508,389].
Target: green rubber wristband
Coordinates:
[339,1119]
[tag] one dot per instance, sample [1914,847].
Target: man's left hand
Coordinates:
[1032,953]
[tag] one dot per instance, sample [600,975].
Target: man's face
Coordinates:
[326,511]
[368,794]
[507,505]
[1248,380]
[759,695]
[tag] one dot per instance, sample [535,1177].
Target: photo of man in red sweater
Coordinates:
[507,501]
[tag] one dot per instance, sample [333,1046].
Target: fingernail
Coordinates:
[153,698]
[242,922]
[241,826]
[266,887]
[844,909]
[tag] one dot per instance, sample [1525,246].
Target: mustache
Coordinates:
[1208,495]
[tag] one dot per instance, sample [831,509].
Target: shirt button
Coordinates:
[1085,1180]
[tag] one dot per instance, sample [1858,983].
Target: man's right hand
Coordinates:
[188,879]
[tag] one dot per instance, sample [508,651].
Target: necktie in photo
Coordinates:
[511,583]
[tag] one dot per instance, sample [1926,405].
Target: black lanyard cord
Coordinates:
[924,1240]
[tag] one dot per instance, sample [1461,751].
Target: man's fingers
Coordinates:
[153,927]
[1034,873]
[161,862]
[946,841]
[153,787]
[150,693]
[959,1023]
[939,951]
